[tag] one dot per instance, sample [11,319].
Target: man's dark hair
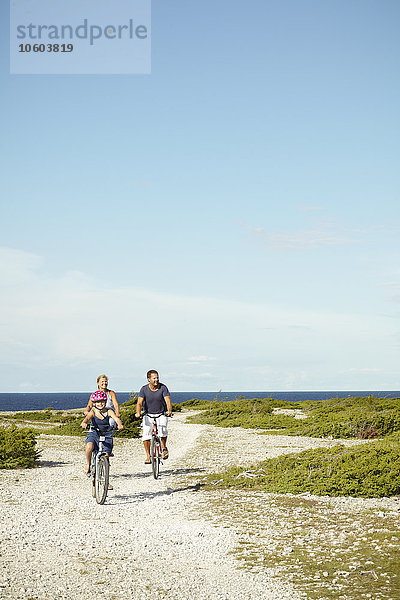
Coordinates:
[150,373]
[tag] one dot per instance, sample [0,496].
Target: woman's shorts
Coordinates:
[93,436]
[148,426]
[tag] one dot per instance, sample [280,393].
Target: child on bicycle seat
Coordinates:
[100,417]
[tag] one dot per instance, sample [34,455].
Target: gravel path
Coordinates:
[149,539]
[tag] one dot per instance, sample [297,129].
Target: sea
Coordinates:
[67,400]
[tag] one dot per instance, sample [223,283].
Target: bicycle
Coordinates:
[155,447]
[100,470]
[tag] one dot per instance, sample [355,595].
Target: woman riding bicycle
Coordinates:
[112,402]
[101,419]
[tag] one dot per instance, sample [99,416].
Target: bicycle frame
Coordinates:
[97,453]
[155,446]
[99,488]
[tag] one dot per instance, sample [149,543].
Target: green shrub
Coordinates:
[131,402]
[17,448]
[358,417]
[370,470]
[71,427]
[254,413]
[350,418]
[195,403]
[35,415]
[43,416]
[130,422]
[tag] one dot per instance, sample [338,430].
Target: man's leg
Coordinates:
[162,425]
[146,437]
[164,447]
[146,444]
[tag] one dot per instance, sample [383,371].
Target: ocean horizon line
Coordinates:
[25,401]
[286,391]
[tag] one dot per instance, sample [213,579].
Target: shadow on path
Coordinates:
[163,473]
[144,496]
[51,463]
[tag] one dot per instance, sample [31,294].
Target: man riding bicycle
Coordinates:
[156,400]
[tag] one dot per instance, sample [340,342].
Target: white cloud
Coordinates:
[70,324]
[301,239]
[363,370]
[200,359]
[314,208]
[17,266]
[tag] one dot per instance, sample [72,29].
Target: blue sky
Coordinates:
[231,219]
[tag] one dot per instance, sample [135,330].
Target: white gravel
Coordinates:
[148,540]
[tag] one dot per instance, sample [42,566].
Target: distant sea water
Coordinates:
[65,401]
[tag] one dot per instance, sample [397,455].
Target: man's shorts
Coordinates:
[93,436]
[147,423]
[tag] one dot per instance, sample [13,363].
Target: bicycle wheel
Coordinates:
[102,477]
[93,477]
[155,456]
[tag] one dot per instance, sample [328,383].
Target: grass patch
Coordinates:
[328,552]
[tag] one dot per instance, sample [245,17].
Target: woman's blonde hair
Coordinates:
[101,377]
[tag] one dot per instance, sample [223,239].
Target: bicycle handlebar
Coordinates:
[100,431]
[153,416]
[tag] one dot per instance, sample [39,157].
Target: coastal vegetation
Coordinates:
[17,448]
[58,422]
[357,417]
[280,507]
[368,470]
[55,422]
[249,413]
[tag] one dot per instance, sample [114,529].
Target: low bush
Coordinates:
[35,415]
[131,402]
[370,470]
[195,403]
[130,422]
[17,448]
[358,417]
[72,427]
[254,413]
[363,418]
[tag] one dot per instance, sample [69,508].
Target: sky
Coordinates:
[231,219]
